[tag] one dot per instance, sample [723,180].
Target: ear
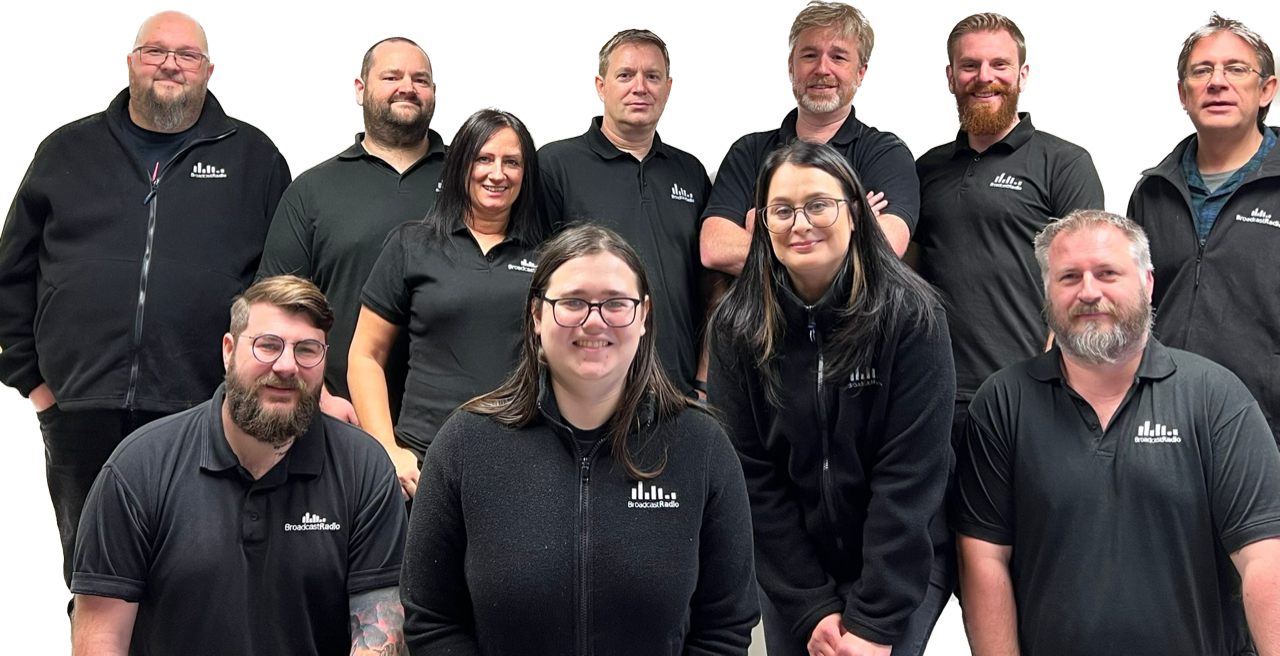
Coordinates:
[862,72]
[1182,94]
[644,305]
[600,88]
[535,308]
[1268,91]
[1022,77]
[228,347]
[1151,284]
[360,92]
[208,74]
[669,85]
[951,83]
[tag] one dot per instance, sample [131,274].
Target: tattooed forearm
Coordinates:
[377,623]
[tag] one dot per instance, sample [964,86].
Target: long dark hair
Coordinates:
[882,288]
[453,203]
[515,403]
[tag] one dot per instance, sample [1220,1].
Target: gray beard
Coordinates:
[166,116]
[1096,345]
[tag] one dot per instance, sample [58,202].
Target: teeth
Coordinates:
[586,344]
[499,189]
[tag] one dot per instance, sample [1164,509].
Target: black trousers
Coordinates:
[76,444]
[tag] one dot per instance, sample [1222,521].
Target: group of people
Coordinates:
[631,411]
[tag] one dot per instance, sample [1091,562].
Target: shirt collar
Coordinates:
[1156,363]
[1017,137]
[305,457]
[357,151]
[601,145]
[1191,170]
[849,131]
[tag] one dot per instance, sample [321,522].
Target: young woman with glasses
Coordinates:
[833,370]
[586,505]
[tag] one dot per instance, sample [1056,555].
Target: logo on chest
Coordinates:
[1259,216]
[313,522]
[1160,434]
[202,170]
[525,266]
[679,194]
[865,377]
[1006,181]
[651,496]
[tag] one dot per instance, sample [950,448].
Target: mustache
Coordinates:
[1096,307]
[409,98]
[826,80]
[276,381]
[991,87]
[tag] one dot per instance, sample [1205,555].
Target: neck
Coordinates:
[489,226]
[1226,150]
[255,456]
[637,140]
[810,288]
[981,142]
[820,127]
[399,157]
[586,406]
[140,119]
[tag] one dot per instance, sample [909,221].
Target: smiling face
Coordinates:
[398,94]
[825,71]
[635,88]
[595,353]
[1097,302]
[496,176]
[272,402]
[164,97]
[1219,104]
[986,79]
[812,256]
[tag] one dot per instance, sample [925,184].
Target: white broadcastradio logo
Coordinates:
[201,170]
[679,194]
[313,522]
[863,378]
[653,497]
[1259,216]
[525,266]
[1161,434]
[1006,181]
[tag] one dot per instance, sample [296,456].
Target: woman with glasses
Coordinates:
[456,281]
[586,505]
[833,370]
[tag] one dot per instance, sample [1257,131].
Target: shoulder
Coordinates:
[551,152]
[161,441]
[754,142]
[350,443]
[935,157]
[324,173]
[464,427]
[879,140]
[1001,391]
[248,136]
[1202,375]
[75,134]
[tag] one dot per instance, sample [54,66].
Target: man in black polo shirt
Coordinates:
[250,524]
[333,219]
[1117,496]
[1212,208]
[984,197]
[621,175]
[830,45]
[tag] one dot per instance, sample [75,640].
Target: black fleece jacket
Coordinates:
[847,480]
[523,541]
[114,288]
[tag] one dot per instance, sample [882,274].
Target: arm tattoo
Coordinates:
[377,623]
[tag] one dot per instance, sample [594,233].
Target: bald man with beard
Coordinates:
[131,233]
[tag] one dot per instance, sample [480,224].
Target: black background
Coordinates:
[1098,77]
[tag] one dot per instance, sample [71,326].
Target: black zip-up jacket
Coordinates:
[847,480]
[1219,299]
[115,288]
[524,541]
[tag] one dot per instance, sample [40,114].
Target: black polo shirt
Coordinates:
[330,227]
[979,214]
[655,204]
[463,311]
[1121,537]
[881,160]
[222,564]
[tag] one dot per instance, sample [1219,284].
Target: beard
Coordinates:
[273,428]
[978,119]
[817,105]
[385,126]
[1094,344]
[167,114]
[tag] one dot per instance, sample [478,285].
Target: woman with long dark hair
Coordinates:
[586,505]
[456,281]
[833,369]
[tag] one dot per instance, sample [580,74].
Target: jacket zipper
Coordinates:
[584,587]
[145,274]
[827,488]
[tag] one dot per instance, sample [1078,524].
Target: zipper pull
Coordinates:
[155,183]
[1199,256]
[586,468]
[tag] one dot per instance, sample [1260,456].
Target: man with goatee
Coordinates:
[984,197]
[252,523]
[127,240]
[1116,496]
[333,219]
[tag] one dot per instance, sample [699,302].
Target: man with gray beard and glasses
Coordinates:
[1116,496]
[288,520]
[129,236]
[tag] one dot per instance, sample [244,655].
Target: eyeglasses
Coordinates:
[617,312]
[187,60]
[821,212]
[268,348]
[1233,73]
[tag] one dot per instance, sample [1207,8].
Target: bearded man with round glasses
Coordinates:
[1212,209]
[291,520]
[129,236]
[1115,495]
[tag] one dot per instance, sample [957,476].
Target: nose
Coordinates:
[1090,290]
[170,62]
[986,73]
[1219,77]
[598,322]
[285,365]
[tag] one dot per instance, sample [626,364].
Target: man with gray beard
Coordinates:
[290,520]
[129,236]
[1116,496]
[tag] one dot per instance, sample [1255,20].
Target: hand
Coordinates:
[406,470]
[852,645]
[337,407]
[877,202]
[826,636]
[750,223]
[42,398]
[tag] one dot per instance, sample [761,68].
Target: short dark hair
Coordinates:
[1266,60]
[988,22]
[633,37]
[367,62]
[289,293]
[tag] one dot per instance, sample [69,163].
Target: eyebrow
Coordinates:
[608,293]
